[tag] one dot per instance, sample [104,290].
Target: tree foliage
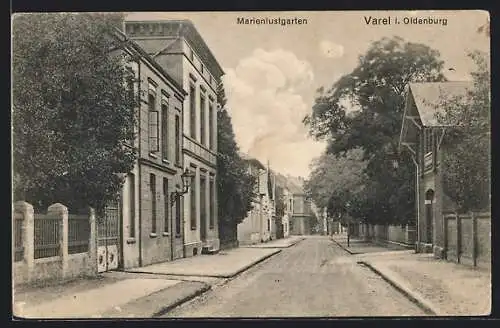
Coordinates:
[72,111]
[235,184]
[364,109]
[335,180]
[467,155]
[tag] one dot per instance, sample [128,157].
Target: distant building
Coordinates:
[300,208]
[181,51]
[259,224]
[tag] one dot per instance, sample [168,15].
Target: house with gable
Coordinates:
[422,135]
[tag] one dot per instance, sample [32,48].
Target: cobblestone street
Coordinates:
[313,278]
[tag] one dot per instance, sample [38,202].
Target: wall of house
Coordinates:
[155,246]
[192,75]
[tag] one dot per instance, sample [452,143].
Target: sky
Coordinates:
[272,72]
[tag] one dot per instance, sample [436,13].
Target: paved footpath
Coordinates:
[313,278]
[224,264]
[441,287]
[148,292]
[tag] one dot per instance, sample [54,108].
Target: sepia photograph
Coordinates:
[251,164]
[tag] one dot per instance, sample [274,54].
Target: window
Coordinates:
[166,227]
[202,118]
[191,54]
[211,126]
[202,69]
[192,111]
[203,202]
[131,200]
[164,129]
[212,203]
[152,189]
[268,225]
[193,201]
[427,141]
[153,124]
[177,140]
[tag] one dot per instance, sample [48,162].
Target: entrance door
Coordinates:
[279,229]
[429,215]
[108,238]
[203,208]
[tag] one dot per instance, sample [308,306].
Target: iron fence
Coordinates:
[46,235]
[18,237]
[78,234]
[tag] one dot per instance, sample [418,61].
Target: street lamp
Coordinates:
[187,177]
[347,205]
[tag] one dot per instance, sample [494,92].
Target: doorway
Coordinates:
[429,215]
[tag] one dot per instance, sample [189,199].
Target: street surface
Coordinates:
[313,278]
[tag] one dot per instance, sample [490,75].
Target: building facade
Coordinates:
[301,213]
[181,51]
[150,227]
[422,136]
[259,225]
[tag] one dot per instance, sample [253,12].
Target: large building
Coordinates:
[145,227]
[181,51]
[422,135]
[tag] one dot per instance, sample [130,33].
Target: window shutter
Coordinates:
[153,131]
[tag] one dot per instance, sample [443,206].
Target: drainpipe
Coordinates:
[139,162]
[417,177]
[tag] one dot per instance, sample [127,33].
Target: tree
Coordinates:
[72,110]
[364,109]
[335,180]
[235,184]
[466,178]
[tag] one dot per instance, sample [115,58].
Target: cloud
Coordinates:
[330,49]
[267,109]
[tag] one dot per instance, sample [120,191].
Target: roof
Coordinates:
[132,44]
[429,97]
[182,28]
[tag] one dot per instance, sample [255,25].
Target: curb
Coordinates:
[276,247]
[226,276]
[181,301]
[208,287]
[234,274]
[344,248]
[425,305]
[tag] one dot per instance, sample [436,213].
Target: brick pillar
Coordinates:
[61,211]
[92,251]
[28,231]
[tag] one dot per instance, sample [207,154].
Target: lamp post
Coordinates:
[187,177]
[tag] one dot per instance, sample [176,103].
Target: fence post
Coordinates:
[61,211]
[445,237]
[28,231]
[92,266]
[459,236]
[474,238]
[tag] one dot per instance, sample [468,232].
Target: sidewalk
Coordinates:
[440,287]
[138,293]
[224,264]
[104,297]
[358,246]
[277,243]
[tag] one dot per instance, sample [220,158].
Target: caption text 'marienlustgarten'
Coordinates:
[270,21]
